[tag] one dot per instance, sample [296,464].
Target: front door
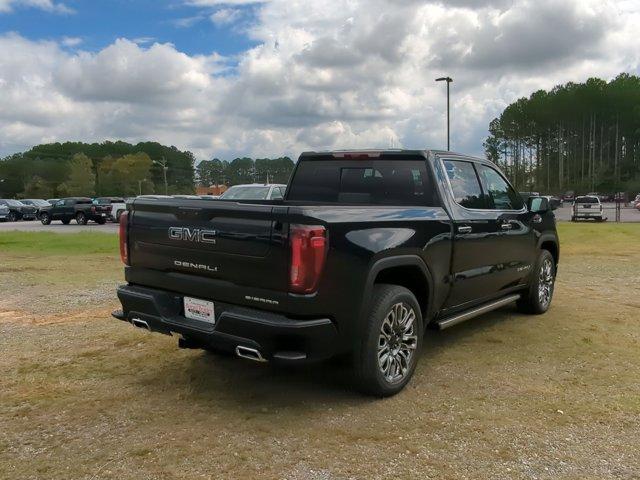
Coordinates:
[492,243]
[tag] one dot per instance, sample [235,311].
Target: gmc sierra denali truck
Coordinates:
[365,251]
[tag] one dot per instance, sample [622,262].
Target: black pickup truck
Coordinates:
[80,209]
[366,250]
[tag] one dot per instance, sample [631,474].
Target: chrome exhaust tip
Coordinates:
[136,322]
[249,354]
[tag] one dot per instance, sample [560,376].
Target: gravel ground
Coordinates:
[504,396]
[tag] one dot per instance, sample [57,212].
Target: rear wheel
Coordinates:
[81,218]
[388,351]
[538,298]
[12,217]
[45,218]
[101,221]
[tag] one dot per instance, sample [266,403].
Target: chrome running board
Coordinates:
[474,312]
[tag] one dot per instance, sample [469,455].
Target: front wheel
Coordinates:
[81,218]
[538,298]
[388,351]
[45,218]
[12,217]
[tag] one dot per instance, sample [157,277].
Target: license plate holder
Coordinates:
[197,309]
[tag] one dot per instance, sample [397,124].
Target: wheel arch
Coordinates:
[408,271]
[550,243]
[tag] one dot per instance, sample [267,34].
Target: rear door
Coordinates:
[237,242]
[492,243]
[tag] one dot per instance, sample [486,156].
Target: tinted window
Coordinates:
[500,194]
[363,182]
[464,184]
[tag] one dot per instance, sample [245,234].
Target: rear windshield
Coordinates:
[377,181]
[586,200]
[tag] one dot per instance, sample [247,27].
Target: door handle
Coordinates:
[465,229]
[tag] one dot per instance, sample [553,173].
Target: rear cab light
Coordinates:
[123,230]
[309,245]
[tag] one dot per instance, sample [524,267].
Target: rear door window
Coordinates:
[377,181]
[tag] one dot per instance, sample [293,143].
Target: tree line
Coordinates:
[244,170]
[578,136]
[58,170]
[102,169]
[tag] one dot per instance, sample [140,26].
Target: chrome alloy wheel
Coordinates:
[397,343]
[545,283]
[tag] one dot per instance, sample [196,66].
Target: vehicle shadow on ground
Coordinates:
[238,383]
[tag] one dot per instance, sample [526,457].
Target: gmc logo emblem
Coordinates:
[195,235]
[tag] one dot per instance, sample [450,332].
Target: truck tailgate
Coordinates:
[236,242]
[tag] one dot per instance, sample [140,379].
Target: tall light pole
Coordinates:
[448,80]
[163,164]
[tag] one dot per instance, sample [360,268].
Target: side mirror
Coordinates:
[538,204]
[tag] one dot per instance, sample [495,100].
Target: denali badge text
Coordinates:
[195,266]
[192,235]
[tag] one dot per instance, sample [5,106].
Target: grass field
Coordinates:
[502,396]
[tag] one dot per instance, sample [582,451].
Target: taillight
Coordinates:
[124,237]
[308,253]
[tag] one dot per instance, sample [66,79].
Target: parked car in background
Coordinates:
[18,210]
[80,209]
[569,196]
[38,203]
[586,207]
[636,202]
[255,191]
[209,197]
[118,206]
[4,213]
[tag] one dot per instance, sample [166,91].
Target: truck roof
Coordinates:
[376,152]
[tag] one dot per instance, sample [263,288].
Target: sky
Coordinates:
[277,77]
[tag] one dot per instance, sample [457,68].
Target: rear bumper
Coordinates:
[277,337]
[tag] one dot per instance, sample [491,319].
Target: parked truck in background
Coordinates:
[365,251]
[80,209]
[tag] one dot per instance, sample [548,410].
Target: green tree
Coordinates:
[210,172]
[81,180]
[37,187]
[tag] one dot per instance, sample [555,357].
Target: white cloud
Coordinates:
[47,5]
[324,74]
[225,16]
[71,41]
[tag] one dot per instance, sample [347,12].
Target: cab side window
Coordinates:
[500,195]
[465,185]
[60,203]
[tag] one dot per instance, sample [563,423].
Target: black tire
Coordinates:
[118,213]
[45,218]
[66,221]
[81,218]
[12,217]
[538,299]
[372,377]
[101,221]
